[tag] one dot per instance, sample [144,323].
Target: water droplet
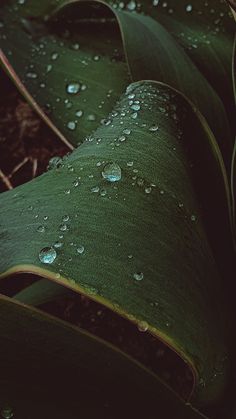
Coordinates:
[80,249]
[75,46]
[103,192]
[95,189]
[111,172]
[142,326]
[155,2]
[41,229]
[71,125]
[135,107]
[138,276]
[54,56]
[96,58]
[131,5]
[91,117]
[54,163]
[134,115]
[63,227]
[130,163]
[73,88]
[67,191]
[122,138]
[7,412]
[154,128]
[58,245]
[76,183]
[49,68]
[127,131]
[193,217]
[31,75]
[65,218]
[189,8]
[47,255]
[79,113]
[148,189]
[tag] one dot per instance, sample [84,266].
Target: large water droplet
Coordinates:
[73,88]
[47,255]
[111,172]
[131,5]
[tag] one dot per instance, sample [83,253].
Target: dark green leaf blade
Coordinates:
[63,371]
[121,241]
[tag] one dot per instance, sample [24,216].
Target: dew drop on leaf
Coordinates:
[138,276]
[73,88]
[80,249]
[142,326]
[111,172]
[189,8]
[47,255]
[41,229]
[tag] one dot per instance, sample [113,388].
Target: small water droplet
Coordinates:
[47,255]
[73,88]
[103,192]
[131,5]
[96,57]
[148,189]
[58,245]
[154,128]
[155,3]
[142,326]
[135,107]
[189,8]
[63,227]
[79,113]
[111,172]
[41,229]
[193,217]
[71,125]
[91,117]
[134,115]
[80,249]
[54,56]
[95,189]
[129,163]
[127,131]
[76,183]
[54,163]
[65,218]
[138,276]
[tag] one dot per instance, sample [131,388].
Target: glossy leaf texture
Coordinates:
[121,222]
[62,371]
[156,47]
[64,74]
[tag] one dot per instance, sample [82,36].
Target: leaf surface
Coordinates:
[119,242]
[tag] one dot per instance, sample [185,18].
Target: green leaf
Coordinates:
[121,240]
[53,370]
[47,62]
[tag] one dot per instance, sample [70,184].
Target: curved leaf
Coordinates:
[63,73]
[120,242]
[61,369]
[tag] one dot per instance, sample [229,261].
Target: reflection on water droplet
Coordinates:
[131,5]
[71,125]
[95,189]
[111,172]
[80,249]
[127,131]
[41,229]
[58,245]
[193,217]
[54,56]
[47,255]
[154,128]
[189,8]
[79,113]
[142,326]
[138,276]
[73,88]
[148,190]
